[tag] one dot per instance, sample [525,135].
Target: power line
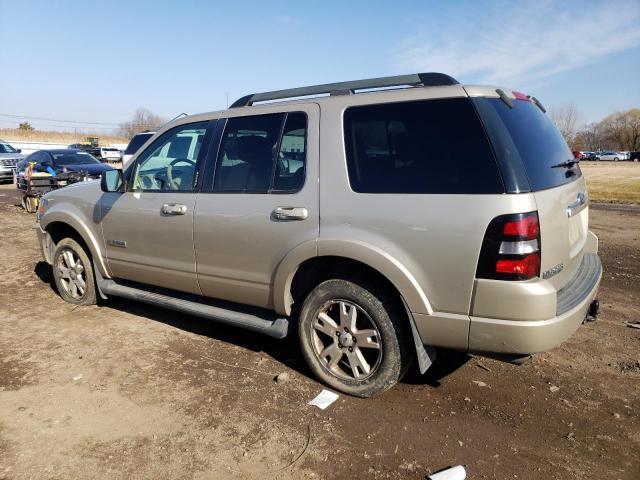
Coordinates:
[77,122]
[57,120]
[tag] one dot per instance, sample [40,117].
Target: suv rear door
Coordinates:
[526,140]
[148,230]
[260,200]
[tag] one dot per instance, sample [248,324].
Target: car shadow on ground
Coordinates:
[286,351]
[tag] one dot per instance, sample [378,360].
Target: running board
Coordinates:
[267,324]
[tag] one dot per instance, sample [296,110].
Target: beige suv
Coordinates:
[379,218]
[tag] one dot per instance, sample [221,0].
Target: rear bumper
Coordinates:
[532,336]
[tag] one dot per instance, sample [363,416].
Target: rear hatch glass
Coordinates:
[525,135]
[527,142]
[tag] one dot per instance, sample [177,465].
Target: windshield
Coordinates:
[74,158]
[136,142]
[525,134]
[6,148]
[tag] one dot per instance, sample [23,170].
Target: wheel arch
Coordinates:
[60,225]
[303,268]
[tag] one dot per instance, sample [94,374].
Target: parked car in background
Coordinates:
[109,154]
[134,145]
[86,147]
[377,222]
[9,157]
[610,156]
[634,156]
[66,160]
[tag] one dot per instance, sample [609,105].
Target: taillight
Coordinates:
[511,248]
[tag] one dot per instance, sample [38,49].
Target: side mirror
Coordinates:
[19,150]
[112,181]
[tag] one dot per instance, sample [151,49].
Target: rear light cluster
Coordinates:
[511,248]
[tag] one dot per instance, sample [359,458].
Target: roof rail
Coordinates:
[342,88]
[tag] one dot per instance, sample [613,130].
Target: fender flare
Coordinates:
[72,219]
[375,257]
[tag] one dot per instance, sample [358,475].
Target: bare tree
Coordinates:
[589,138]
[567,119]
[622,130]
[143,119]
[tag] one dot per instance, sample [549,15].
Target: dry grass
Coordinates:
[612,182]
[57,137]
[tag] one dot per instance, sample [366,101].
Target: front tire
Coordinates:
[354,338]
[73,273]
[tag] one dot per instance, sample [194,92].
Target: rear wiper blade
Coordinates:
[567,164]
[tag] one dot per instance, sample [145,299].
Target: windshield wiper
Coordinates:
[567,164]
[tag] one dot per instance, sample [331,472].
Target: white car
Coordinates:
[109,154]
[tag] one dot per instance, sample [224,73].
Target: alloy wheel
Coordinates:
[346,340]
[72,274]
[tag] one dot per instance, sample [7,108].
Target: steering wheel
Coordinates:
[170,178]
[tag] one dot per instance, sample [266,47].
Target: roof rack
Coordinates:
[346,88]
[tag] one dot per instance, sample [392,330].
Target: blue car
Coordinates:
[65,161]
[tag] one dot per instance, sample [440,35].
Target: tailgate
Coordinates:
[564,219]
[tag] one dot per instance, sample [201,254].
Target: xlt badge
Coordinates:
[553,271]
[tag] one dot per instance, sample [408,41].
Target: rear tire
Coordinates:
[355,337]
[73,273]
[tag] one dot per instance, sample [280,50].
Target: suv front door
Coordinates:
[260,201]
[148,230]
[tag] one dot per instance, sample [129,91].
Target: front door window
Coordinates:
[169,163]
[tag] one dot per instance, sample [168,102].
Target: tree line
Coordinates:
[619,131]
[143,120]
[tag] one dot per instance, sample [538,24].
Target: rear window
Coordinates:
[71,157]
[525,135]
[429,146]
[136,142]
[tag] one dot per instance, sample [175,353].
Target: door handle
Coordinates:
[283,214]
[173,209]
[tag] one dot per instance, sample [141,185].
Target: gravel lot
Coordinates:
[127,391]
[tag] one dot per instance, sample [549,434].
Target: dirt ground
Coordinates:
[126,391]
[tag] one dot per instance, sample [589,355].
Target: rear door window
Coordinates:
[262,154]
[428,146]
[525,135]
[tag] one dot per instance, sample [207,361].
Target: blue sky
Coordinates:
[98,61]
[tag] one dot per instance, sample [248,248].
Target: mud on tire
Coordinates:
[355,337]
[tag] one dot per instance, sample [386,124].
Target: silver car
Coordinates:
[9,158]
[611,156]
[379,219]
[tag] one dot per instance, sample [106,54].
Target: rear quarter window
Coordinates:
[428,146]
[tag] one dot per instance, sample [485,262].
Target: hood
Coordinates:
[16,156]
[91,169]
